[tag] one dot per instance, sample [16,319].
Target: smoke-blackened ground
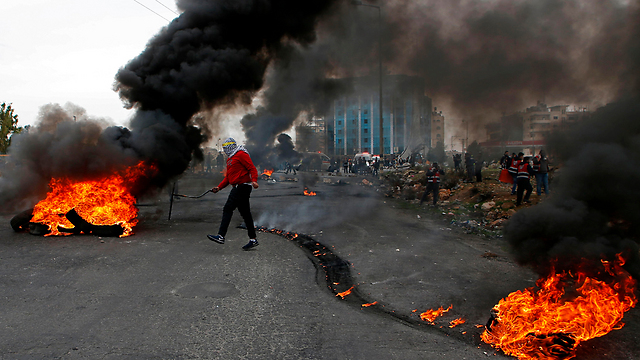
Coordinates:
[594,209]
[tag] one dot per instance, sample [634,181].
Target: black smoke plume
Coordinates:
[478,58]
[215,53]
[594,210]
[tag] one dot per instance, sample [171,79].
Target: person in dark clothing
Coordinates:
[376,167]
[469,163]
[524,184]
[504,160]
[513,170]
[220,161]
[207,163]
[541,168]
[243,176]
[433,183]
[478,167]
[457,159]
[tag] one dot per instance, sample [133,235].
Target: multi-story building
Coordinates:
[437,127]
[353,124]
[529,129]
[311,136]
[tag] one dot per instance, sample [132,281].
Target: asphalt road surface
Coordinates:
[167,292]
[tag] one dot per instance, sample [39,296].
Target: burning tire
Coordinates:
[21,221]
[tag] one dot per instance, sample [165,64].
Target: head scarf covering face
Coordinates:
[231,148]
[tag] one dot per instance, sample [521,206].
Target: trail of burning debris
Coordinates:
[335,272]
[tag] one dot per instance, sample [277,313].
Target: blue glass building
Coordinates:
[353,124]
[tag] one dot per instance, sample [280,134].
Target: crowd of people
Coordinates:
[520,169]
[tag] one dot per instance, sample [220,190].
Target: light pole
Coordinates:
[466,139]
[359,3]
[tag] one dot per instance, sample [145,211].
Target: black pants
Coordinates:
[523,184]
[238,198]
[435,189]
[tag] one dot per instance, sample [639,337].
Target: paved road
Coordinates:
[169,293]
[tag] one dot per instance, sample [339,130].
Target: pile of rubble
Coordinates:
[486,205]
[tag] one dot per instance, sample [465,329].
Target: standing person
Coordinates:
[541,168]
[479,164]
[207,163]
[524,172]
[504,160]
[242,175]
[376,167]
[456,161]
[513,170]
[469,162]
[433,183]
[220,161]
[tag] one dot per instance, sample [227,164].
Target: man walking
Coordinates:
[524,184]
[513,170]
[242,175]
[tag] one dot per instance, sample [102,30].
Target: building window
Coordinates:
[353,121]
[555,118]
[366,111]
[340,113]
[339,141]
[339,122]
[339,132]
[438,128]
[366,131]
[366,140]
[366,121]
[438,136]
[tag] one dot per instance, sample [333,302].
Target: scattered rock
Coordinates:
[508,205]
[488,205]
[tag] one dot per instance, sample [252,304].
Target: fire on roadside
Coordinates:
[566,309]
[431,314]
[307,192]
[267,172]
[105,201]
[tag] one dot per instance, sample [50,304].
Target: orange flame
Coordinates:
[267,172]
[548,324]
[309,193]
[431,315]
[345,293]
[106,201]
[456,322]
[369,304]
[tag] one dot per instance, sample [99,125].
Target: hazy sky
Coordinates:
[69,51]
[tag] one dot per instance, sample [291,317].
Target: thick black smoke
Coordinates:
[478,58]
[297,84]
[594,209]
[215,53]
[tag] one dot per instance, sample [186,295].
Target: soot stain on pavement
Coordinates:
[335,273]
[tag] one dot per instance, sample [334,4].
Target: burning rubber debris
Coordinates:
[104,207]
[308,192]
[545,323]
[567,308]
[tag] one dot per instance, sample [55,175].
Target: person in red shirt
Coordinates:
[243,176]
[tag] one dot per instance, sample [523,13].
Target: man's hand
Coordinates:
[215,190]
[255,184]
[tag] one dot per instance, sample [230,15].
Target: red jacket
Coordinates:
[240,170]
